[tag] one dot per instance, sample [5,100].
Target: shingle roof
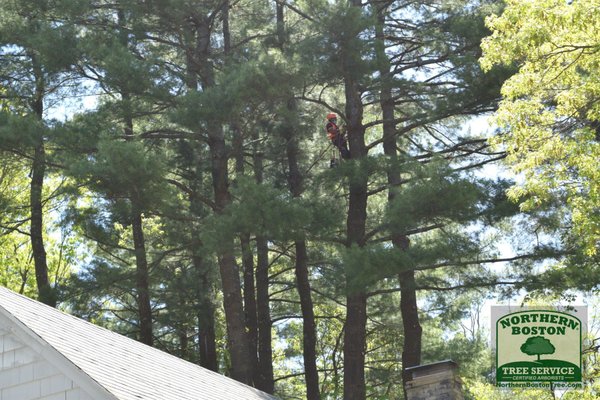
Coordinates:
[125,368]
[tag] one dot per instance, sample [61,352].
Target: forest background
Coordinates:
[165,173]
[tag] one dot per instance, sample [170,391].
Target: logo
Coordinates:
[536,348]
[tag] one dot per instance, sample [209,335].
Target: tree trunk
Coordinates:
[230,274]
[206,314]
[139,244]
[234,317]
[183,342]
[206,308]
[280,24]
[141,261]
[250,302]
[356,301]
[247,260]
[226,31]
[266,381]
[38,171]
[142,279]
[200,68]
[45,291]
[311,374]
[411,350]
[354,346]
[295,180]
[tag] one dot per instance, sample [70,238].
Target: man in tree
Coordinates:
[337,138]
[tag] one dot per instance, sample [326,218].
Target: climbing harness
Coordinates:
[333,162]
[336,152]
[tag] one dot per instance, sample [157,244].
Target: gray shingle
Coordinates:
[127,369]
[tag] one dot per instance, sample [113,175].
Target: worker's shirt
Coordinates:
[332,130]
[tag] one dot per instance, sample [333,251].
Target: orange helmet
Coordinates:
[331,116]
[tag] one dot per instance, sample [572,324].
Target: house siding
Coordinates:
[58,349]
[25,375]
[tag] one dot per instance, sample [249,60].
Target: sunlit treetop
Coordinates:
[550,115]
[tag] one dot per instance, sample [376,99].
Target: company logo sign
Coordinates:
[535,348]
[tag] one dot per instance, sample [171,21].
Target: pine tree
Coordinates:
[35,73]
[116,163]
[206,153]
[193,27]
[424,106]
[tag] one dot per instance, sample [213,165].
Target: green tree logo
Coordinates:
[537,345]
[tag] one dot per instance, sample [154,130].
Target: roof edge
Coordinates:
[52,355]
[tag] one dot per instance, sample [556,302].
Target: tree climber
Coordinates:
[337,138]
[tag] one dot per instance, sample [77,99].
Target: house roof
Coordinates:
[112,366]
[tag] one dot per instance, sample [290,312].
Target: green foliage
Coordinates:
[434,194]
[20,132]
[146,149]
[548,116]
[262,210]
[124,170]
[39,47]
[16,263]
[27,25]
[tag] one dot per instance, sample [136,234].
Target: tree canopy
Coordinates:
[550,114]
[165,172]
